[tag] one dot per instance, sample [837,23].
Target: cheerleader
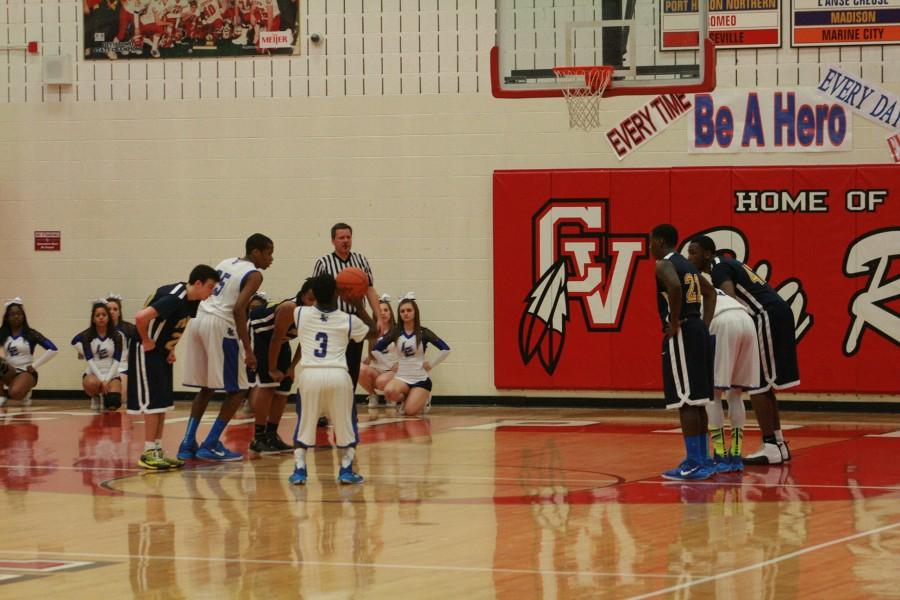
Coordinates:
[378,368]
[101,346]
[128,330]
[19,340]
[411,386]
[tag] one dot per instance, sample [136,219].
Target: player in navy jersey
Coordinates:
[687,350]
[270,396]
[19,341]
[410,389]
[160,325]
[777,343]
[102,346]
[218,348]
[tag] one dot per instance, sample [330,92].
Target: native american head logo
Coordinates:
[575,261]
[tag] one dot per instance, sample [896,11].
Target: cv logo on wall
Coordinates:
[576,262]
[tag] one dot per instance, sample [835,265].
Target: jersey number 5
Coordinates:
[223,278]
[322,338]
[692,280]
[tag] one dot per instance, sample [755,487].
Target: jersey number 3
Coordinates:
[322,338]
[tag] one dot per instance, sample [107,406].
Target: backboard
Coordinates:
[656,46]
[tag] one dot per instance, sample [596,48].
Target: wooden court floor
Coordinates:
[467,503]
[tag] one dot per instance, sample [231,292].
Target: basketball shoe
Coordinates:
[298,477]
[218,453]
[347,476]
[768,454]
[689,470]
[153,460]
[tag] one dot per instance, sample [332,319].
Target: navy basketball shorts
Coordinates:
[263,379]
[150,387]
[687,365]
[777,349]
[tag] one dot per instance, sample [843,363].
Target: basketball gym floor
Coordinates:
[466,503]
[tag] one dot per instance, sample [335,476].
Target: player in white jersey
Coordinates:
[411,386]
[736,368]
[378,368]
[18,341]
[218,347]
[101,345]
[326,389]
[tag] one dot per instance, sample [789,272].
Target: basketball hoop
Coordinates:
[584,100]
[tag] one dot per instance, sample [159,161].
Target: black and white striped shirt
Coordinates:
[332,264]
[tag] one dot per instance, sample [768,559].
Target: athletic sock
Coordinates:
[190,434]
[148,446]
[347,458]
[770,439]
[779,436]
[271,427]
[737,414]
[737,440]
[258,430]
[696,447]
[718,440]
[300,458]
[212,438]
[158,444]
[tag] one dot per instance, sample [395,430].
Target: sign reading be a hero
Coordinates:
[799,120]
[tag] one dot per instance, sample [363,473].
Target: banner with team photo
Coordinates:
[126,29]
[732,24]
[575,289]
[769,120]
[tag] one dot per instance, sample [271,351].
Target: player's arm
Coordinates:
[49,352]
[142,324]
[284,318]
[667,275]
[251,285]
[721,278]
[709,300]
[294,362]
[364,316]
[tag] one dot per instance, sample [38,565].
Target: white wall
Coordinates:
[143,187]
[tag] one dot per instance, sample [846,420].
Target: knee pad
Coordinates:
[112,401]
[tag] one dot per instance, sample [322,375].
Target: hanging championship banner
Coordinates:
[115,29]
[732,24]
[797,120]
[575,300]
[845,22]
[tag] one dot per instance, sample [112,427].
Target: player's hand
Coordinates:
[104,387]
[250,360]
[426,365]
[148,345]
[31,370]
[672,329]
[276,375]
[171,358]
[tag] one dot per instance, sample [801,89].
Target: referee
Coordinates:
[334,263]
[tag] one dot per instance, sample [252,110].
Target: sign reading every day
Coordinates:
[732,24]
[845,22]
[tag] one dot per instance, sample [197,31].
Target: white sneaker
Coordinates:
[768,454]
[26,401]
[3,400]
[95,402]
[373,400]
[427,408]
[785,451]
[400,409]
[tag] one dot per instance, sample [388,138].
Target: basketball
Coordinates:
[352,283]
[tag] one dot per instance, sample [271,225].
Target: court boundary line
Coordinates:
[765,563]
[346,564]
[775,485]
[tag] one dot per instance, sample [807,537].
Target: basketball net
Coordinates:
[584,101]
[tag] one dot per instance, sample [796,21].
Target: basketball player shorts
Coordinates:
[214,356]
[149,381]
[777,349]
[261,377]
[736,362]
[687,365]
[326,391]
